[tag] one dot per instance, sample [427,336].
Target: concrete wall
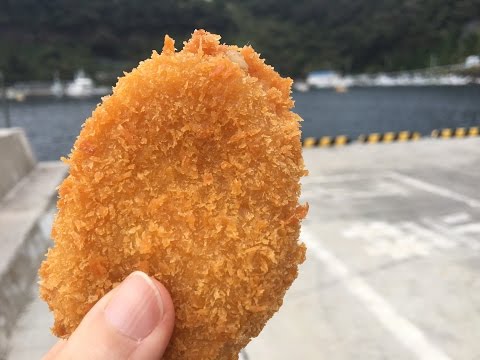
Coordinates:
[27,196]
[16,158]
[16,281]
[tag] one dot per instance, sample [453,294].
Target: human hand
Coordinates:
[133,321]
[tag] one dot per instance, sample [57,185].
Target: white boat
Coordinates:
[454,80]
[323,79]
[83,86]
[383,80]
[301,86]
[15,95]
[57,87]
[472,61]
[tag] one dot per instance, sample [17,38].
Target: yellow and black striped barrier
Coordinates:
[461,132]
[326,141]
[390,137]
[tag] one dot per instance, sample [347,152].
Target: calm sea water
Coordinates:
[52,125]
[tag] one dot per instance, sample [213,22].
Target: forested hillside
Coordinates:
[38,37]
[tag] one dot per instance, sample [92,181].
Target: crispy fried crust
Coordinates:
[190,172]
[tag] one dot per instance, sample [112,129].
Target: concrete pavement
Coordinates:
[393,261]
[392,270]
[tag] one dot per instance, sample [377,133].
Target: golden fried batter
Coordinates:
[189,172]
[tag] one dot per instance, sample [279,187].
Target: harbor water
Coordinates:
[52,125]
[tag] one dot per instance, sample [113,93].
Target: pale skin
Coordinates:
[133,321]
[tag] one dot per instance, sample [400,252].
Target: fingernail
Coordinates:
[136,307]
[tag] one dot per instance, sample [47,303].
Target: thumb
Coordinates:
[133,321]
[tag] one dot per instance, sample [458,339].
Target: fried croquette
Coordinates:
[189,172]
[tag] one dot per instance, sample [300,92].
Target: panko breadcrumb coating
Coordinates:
[189,172]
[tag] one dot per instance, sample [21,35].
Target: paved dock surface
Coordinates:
[393,264]
[393,261]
